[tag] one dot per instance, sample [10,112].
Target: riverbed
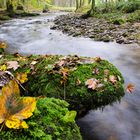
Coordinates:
[121,121]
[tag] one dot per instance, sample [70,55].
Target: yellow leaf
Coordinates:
[3,67]
[14,109]
[22,77]
[3,45]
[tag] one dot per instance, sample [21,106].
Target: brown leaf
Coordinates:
[106,72]
[3,45]
[78,82]
[96,71]
[130,88]
[98,59]
[112,79]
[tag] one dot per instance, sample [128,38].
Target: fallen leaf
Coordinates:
[14,109]
[96,71]
[12,65]
[3,45]
[130,88]
[112,79]
[92,83]
[3,67]
[64,72]
[61,63]
[34,62]
[106,72]
[22,77]
[78,82]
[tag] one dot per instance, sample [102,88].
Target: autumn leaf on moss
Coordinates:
[92,83]
[12,65]
[112,79]
[96,71]
[64,72]
[3,67]
[106,72]
[13,108]
[3,45]
[34,62]
[22,77]
[78,82]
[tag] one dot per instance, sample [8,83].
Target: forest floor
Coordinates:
[122,28]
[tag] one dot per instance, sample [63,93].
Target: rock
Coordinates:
[45,11]
[53,27]
[120,40]
[20,7]
[97,28]
[46,78]
[106,38]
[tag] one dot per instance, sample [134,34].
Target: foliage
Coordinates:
[50,121]
[129,6]
[14,109]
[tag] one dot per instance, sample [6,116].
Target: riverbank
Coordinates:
[5,16]
[99,28]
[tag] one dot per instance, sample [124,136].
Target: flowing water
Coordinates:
[121,121]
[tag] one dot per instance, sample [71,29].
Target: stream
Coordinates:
[121,121]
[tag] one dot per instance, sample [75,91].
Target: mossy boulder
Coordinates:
[45,78]
[20,7]
[49,122]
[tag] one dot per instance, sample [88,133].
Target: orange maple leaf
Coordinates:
[13,108]
[130,88]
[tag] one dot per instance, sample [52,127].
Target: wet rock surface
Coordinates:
[98,29]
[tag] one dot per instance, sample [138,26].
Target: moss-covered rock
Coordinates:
[49,122]
[45,78]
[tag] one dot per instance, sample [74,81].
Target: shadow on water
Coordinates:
[121,121]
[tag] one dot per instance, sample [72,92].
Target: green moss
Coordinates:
[44,79]
[1,50]
[47,123]
[4,17]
